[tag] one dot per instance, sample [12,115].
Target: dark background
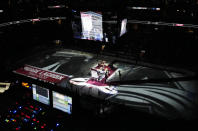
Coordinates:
[164,45]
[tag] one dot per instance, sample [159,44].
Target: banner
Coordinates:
[38,73]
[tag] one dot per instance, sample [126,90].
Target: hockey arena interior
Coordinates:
[93,65]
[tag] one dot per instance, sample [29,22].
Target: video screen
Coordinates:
[123,27]
[88,26]
[91,25]
[62,102]
[41,94]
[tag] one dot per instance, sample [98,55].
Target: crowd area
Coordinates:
[158,44]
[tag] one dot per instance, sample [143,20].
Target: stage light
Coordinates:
[31,106]
[57,124]
[27,116]
[7,120]
[25,120]
[74,11]
[35,20]
[179,24]
[33,116]
[14,111]
[57,6]
[157,8]
[24,84]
